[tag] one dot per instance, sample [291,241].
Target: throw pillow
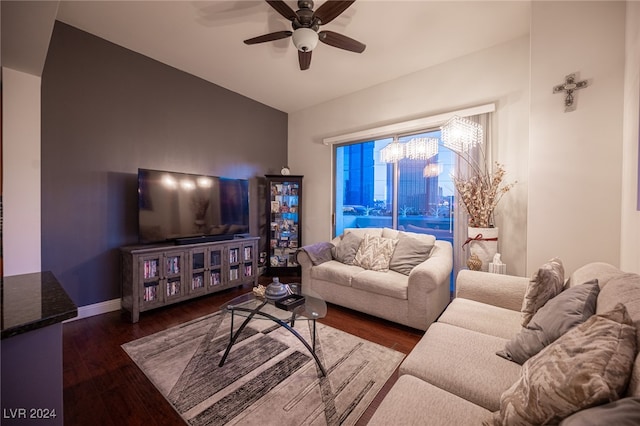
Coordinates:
[319,252]
[409,253]
[546,283]
[345,251]
[587,366]
[560,314]
[375,253]
[427,238]
[623,412]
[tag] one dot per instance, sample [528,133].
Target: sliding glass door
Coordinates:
[410,194]
[364,187]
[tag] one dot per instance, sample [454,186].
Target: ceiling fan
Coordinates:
[306,23]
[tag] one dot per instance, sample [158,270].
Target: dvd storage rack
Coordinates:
[284,200]
[159,275]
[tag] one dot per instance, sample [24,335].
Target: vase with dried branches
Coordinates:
[480,189]
[480,194]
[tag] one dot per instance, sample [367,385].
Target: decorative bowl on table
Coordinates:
[276,290]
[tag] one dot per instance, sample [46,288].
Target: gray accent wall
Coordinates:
[107,111]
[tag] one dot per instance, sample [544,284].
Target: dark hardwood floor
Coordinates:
[102,386]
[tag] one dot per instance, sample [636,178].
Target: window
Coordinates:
[364,188]
[411,195]
[414,195]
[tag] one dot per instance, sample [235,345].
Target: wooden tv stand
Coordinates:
[162,274]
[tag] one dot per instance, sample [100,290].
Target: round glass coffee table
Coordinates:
[281,311]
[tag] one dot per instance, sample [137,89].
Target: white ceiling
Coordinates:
[205,38]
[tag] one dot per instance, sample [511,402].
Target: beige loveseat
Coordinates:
[454,376]
[413,292]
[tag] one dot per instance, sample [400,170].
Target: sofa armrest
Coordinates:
[435,270]
[428,291]
[505,291]
[305,267]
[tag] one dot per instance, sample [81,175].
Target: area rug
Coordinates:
[269,376]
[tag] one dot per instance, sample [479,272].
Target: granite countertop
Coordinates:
[32,301]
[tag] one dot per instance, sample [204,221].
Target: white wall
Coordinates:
[26,30]
[577,171]
[21,172]
[630,238]
[499,74]
[575,158]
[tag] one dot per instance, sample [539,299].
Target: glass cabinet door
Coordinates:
[173,273]
[198,271]
[235,262]
[248,261]
[215,267]
[284,198]
[150,270]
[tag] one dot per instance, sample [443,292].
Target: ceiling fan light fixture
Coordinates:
[305,39]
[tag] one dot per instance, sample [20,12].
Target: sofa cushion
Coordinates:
[361,232]
[623,412]
[546,283]
[462,362]
[412,401]
[601,271]
[560,314]
[587,366]
[625,288]
[395,234]
[482,317]
[375,253]
[390,233]
[410,251]
[335,272]
[345,251]
[390,283]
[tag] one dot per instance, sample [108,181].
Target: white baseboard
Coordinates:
[97,309]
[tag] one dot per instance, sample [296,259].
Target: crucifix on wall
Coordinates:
[569,86]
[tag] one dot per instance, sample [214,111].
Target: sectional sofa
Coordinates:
[578,350]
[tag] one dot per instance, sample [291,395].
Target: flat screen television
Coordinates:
[186,208]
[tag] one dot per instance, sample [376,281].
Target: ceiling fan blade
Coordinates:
[283,9]
[330,10]
[341,41]
[269,37]
[305,60]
